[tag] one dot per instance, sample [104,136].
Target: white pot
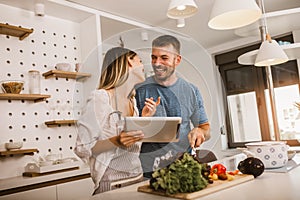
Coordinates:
[272,153]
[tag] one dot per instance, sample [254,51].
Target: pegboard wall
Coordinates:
[53,41]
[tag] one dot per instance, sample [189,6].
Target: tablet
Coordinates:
[155,129]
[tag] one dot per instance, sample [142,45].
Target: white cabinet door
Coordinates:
[81,189]
[46,193]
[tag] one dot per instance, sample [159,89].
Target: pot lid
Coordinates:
[265,143]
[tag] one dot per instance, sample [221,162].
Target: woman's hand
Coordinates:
[124,140]
[150,107]
[129,138]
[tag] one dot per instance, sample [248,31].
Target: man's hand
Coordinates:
[198,135]
[150,107]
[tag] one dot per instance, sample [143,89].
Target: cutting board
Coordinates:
[34,174]
[211,188]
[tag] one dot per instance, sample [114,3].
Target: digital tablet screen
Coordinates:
[155,129]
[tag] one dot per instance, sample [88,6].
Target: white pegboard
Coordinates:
[53,41]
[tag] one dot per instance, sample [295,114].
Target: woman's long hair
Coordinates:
[115,67]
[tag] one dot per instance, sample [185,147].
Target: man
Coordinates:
[177,98]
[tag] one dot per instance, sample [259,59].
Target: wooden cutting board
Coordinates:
[211,188]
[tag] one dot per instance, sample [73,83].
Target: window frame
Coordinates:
[228,61]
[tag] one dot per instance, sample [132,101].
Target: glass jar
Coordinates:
[34,82]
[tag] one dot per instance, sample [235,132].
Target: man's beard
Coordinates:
[169,73]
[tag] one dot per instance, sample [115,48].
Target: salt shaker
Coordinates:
[34,82]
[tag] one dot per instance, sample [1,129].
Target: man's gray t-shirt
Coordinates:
[180,99]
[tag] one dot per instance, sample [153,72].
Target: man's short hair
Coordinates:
[166,40]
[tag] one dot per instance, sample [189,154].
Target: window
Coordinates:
[249,113]
[286,92]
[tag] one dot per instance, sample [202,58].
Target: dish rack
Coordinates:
[34,169]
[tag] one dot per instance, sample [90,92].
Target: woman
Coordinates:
[113,154]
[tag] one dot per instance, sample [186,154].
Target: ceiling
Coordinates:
[154,13]
[282,17]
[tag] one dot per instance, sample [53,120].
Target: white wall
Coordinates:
[53,41]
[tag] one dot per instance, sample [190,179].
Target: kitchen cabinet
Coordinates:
[80,189]
[45,193]
[16,31]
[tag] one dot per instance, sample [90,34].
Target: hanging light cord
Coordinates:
[268,37]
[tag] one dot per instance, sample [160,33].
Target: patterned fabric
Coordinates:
[99,122]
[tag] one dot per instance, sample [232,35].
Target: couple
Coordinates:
[119,158]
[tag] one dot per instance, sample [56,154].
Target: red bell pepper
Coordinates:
[218,169]
[235,172]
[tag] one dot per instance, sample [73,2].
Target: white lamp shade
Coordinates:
[181,9]
[291,50]
[270,53]
[230,14]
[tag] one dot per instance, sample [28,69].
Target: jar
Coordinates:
[34,82]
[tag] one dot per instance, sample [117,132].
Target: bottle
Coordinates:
[34,82]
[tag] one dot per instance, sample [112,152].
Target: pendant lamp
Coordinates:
[291,50]
[270,53]
[181,9]
[231,14]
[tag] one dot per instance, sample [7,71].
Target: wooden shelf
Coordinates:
[16,31]
[60,122]
[31,97]
[18,151]
[65,74]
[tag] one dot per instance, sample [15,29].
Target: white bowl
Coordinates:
[45,163]
[63,66]
[67,160]
[52,157]
[13,145]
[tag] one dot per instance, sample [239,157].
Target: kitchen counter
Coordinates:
[21,183]
[271,185]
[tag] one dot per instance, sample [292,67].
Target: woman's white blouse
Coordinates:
[98,123]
